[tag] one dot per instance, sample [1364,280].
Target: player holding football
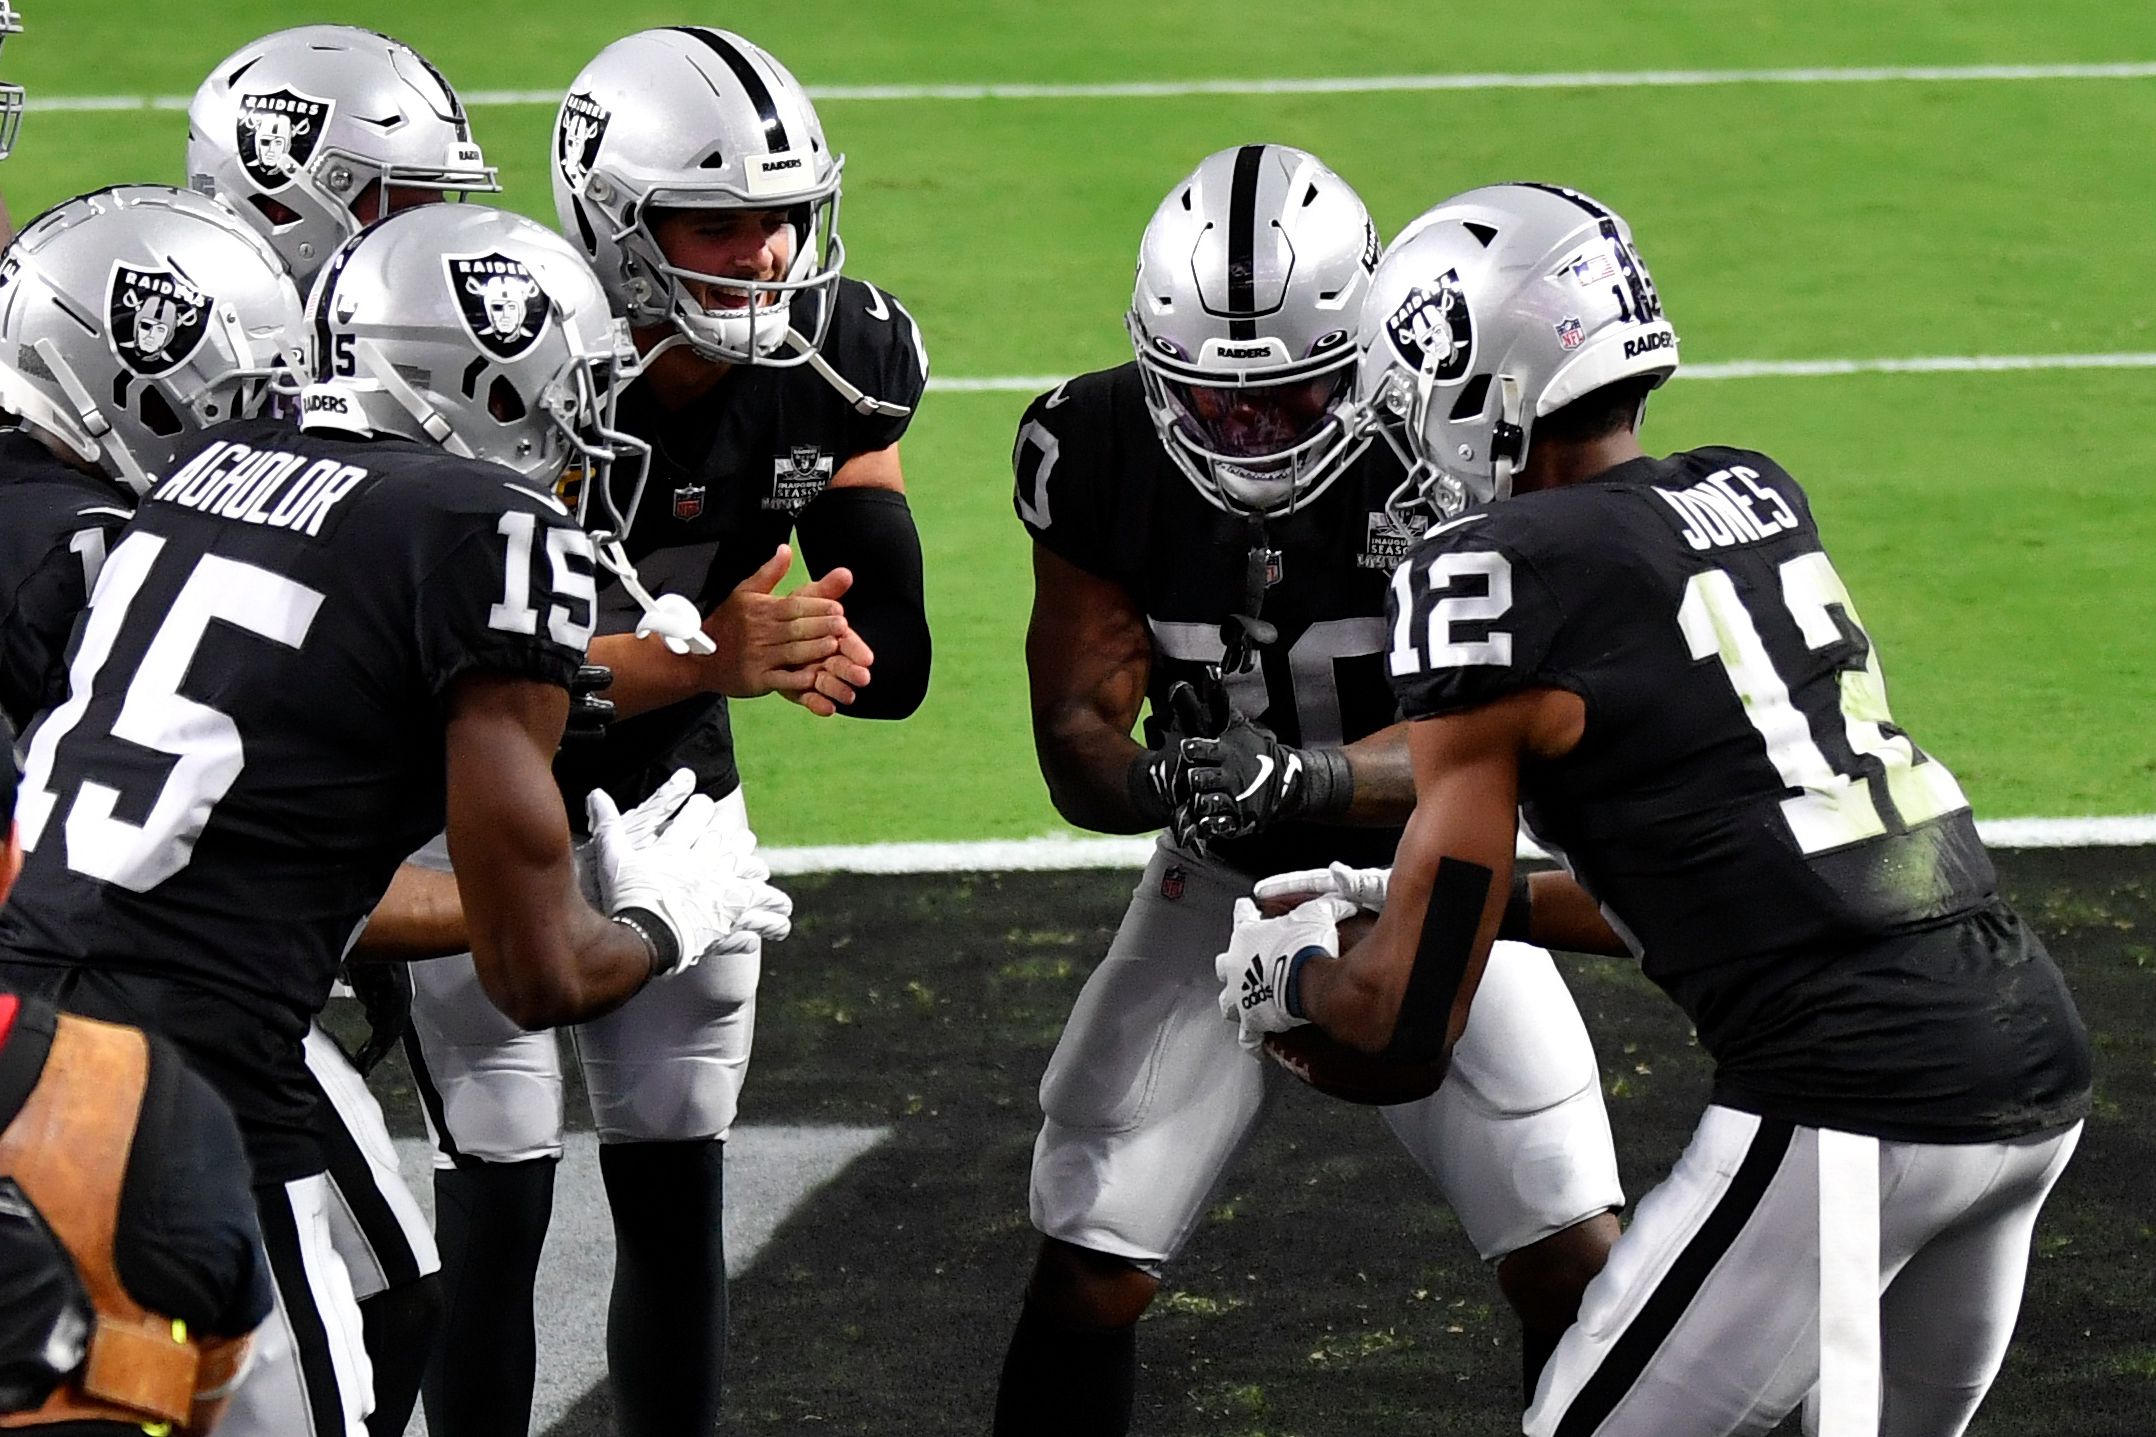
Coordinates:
[1205,507]
[321,639]
[691,168]
[1654,663]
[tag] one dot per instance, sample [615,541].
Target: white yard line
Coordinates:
[1320,85]
[1730,369]
[1060,853]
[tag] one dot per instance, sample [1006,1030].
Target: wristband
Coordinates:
[1291,985]
[1144,787]
[1328,784]
[665,948]
[1519,920]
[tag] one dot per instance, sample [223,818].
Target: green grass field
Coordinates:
[1996,528]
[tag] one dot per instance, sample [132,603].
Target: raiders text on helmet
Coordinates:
[1496,308]
[696,118]
[133,315]
[1250,278]
[290,130]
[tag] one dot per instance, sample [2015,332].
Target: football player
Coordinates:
[323,640]
[690,166]
[308,135]
[1204,511]
[1654,663]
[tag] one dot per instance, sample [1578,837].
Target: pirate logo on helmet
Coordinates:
[577,136]
[278,134]
[502,304]
[1432,331]
[155,319]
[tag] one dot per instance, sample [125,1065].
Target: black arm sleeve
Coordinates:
[870,531]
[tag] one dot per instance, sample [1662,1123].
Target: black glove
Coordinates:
[1160,791]
[384,991]
[589,712]
[1245,779]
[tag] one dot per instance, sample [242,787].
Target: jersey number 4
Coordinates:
[203,743]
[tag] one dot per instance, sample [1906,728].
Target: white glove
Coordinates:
[1253,973]
[671,863]
[1363,887]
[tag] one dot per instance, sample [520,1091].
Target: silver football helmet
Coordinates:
[1250,278]
[290,130]
[486,333]
[134,315]
[701,119]
[11,96]
[1490,311]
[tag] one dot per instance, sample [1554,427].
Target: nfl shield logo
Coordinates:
[1569,332]
[1171,884]
[688,501]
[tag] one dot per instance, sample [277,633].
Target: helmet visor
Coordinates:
[1257,421]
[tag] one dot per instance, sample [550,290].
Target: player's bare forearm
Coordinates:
[544,957]
[1384,775]
[1088,655]
[1450,879]
[421,915]
[647,674]
[1561,914]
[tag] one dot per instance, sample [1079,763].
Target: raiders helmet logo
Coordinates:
[1432,331]
[155,319]
[577,136]
[503,306]
[278,134]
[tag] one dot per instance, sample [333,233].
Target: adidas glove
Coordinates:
[1258,972]
[687,880]
[1363,887]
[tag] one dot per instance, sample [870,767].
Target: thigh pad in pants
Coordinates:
[1517,1139]
[1148,1100]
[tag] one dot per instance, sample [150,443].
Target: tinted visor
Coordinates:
[1256,421]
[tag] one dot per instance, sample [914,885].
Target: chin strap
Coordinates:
[105,444]
[861,402]
[671,616]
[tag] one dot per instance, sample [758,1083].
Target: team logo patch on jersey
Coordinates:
[157,320]
[1432,331]
[279,133]
[688,501]
[1172,882]
[797,477]
[502,304]
[577,137]
[1388,541]
[1570,332]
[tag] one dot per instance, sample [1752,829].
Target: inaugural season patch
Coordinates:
[1388,540]
[1432,331]
[577,138]
[279,133]
[797,477]
[503,306]
[156,319]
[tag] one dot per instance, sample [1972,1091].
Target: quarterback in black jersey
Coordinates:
[691,168]
[1654,664]
[303,649]
[1201,516]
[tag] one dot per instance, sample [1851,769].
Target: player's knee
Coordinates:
[1078,1287]
[1544,1280]
[688,1099]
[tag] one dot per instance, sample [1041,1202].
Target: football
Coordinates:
[1339,1071]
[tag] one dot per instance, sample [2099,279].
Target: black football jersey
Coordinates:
[1791,867]
[253,734]
[56,526]
[729,477]
[1095,486]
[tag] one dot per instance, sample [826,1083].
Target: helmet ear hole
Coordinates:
[156,412]
[503,402]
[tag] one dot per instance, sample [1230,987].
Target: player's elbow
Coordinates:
[531,994]
[898,682]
